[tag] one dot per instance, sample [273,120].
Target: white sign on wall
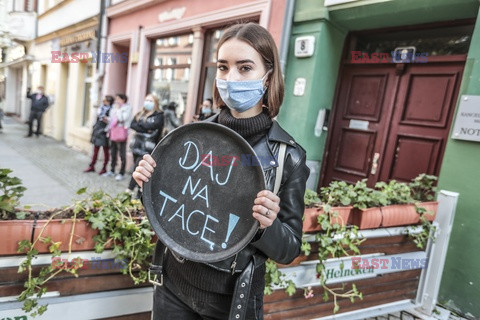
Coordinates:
[335,2]
[467,123]
[174,14]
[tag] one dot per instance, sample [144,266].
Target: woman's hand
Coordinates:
[266,208]
[144,170]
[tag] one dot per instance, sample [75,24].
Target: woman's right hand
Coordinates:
[144,170]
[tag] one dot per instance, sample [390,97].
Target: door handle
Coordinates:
[376,156]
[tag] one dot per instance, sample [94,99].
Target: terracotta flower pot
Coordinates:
[12,232]
[431,207]
[59,231]
[310,221]
[399,215]
[343,215]
[370,218]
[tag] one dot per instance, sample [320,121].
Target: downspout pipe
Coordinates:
[101,46]
[286,32]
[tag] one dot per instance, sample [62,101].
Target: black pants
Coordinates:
[121,147]
[136,159]
[170,303]
[34,115]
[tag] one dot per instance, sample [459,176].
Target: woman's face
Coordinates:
[238,61]
[149,98]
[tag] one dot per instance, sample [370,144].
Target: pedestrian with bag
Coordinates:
[99,137]
[148,125]
[249,88]
[120,117]
[40,104]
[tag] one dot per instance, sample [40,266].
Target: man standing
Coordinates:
[39,105]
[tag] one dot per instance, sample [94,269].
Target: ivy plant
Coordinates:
[121,227]
[11,190]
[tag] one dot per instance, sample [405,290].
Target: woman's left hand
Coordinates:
[266,208]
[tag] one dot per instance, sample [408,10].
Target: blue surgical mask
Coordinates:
[148,105]
[241,95]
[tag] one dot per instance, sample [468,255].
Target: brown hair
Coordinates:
[144,114]
[261,40]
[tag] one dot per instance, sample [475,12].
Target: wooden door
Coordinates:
[391,121]
[423,111]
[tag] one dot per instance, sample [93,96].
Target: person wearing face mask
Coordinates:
[148,126]
[40,104]
[206,110]
[99,136]
[119,122]
[249,88]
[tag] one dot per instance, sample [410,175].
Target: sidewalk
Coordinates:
[51,172]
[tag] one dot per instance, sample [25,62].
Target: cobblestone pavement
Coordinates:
[51,171]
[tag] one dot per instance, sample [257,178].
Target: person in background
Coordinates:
[249,88]
[99,135]
[148,125]
[120,117]
[40,103]
[206,109]
[171,121]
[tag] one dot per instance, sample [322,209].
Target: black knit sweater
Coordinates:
[198,280]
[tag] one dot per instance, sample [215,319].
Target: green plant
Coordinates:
[420,236]
[11,191]
[367,197]
[338,193]
[423,187]
[311,199]
[395,192]
[121,227]
[335,241]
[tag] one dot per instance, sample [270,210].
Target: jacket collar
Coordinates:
[276,132]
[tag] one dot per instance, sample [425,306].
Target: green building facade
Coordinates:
[331,22]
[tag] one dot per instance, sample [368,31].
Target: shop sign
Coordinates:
[78,37]
[174,14]
[467,123]
[15,53]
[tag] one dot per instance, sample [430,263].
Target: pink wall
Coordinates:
[149,16]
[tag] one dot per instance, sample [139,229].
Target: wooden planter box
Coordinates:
[381,289]
[310,220]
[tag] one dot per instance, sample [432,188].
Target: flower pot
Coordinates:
[370,218]
[399,215]
[342,216]
[431,207]
[59,231]
[310,221]
[12,232]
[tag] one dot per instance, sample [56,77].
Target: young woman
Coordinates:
[99,136]
[120,117]
[148,125]
[249,88]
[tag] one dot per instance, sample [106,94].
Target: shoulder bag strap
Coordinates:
[279,172]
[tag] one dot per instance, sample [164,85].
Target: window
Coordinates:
[87,92]
[170,69]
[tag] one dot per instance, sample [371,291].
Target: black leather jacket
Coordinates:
[282,240]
